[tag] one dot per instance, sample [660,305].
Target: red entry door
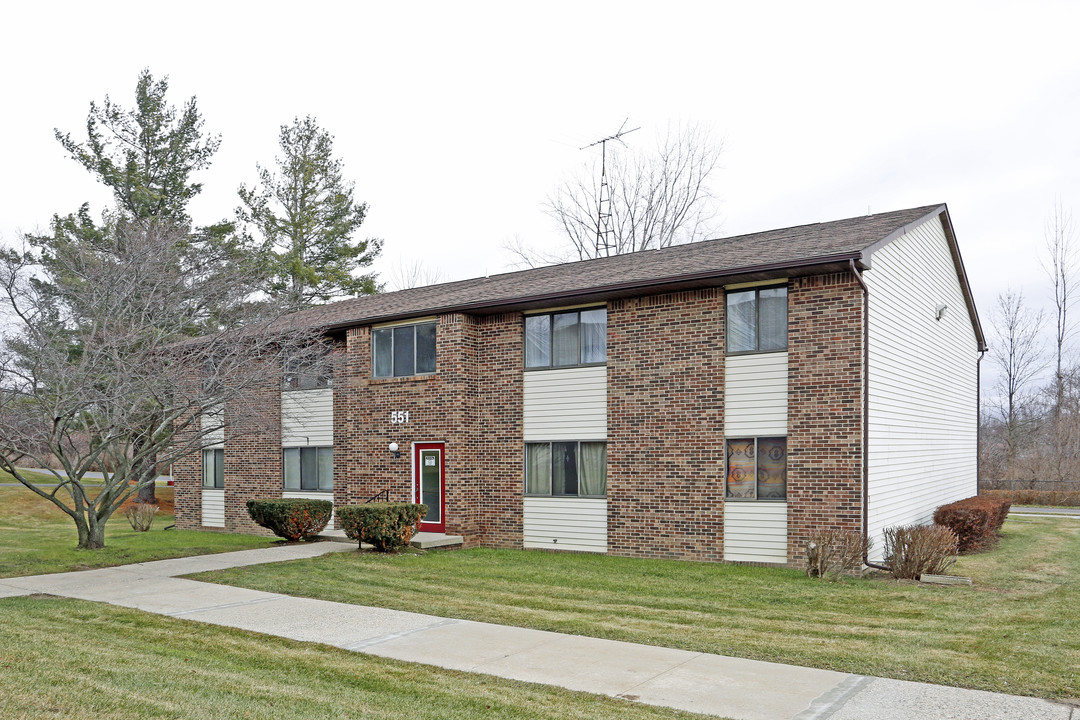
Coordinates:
[429,464]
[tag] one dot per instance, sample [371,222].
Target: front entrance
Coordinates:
[429,488]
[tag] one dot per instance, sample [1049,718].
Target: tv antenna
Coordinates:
[603,205]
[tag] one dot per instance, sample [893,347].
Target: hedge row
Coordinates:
[1066,498]
[291,518]
[974,520]
[387,526]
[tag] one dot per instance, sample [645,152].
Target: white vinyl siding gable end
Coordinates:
[756,395]
[307,418]
[565,404]
[922,382]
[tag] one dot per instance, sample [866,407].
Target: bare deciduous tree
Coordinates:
[658,198]
[1062,268]
[1019,358]
[414,274]
[95,373]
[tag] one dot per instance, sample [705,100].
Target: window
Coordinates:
[757,320]
[309,468]
[566,339]
[307,374]
[403,351]
[757,469]
[566,469]
[213,469]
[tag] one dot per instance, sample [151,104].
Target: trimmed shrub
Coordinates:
[388,526]
[832,553]
[1065,498]
[140,515]
[291,518]
[975,520]
[911,550]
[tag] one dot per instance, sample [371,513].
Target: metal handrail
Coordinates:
[384,494]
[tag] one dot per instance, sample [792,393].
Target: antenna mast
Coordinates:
[603,205]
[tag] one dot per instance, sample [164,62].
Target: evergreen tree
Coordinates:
[306,216]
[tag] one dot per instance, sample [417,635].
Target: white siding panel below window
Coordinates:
[565,523]
[313,496]
[756,395]
[213,508]
[566,404]
[922,415]
[307,417]
[755,532]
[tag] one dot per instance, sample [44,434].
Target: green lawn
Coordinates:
[36,537]
[74,659]
[1017,630]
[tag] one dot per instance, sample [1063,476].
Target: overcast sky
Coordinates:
[456,120]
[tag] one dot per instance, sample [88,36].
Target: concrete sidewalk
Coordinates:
[698,682]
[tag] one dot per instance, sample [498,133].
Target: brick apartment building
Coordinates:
[712,401]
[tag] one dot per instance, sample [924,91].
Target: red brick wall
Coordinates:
[825,406]
[665,426]
[187,487]
[472,403]
[252,454]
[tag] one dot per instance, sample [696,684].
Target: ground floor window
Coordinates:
[309,468]
[756,469]
[575,469]
[213,468]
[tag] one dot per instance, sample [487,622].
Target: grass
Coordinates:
[1016,630]
[75,659]
[36,537]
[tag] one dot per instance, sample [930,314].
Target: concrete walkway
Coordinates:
[698,682]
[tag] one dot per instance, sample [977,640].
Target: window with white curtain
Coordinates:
[566,339]
[566,469]
[757,320]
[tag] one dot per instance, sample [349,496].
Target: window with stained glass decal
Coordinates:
[756,469]
[772,468]
[740,468]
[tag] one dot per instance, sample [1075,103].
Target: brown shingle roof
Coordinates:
[678,266]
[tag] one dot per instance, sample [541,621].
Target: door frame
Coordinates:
[440,526]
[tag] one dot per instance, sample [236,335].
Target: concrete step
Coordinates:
[429,540]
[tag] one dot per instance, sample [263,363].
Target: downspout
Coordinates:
[865,417]
[978,422]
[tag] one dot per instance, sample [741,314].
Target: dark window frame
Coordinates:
[757,479]
[300,449]
[307,374]
[551,339]
[577,452]
[414,327]
[219,468]
[757,315]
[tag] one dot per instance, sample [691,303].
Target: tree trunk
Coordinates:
[148,474]
[91,533]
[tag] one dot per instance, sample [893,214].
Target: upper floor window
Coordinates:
[757,320]
[565,339]
[404,350]
[307,374]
